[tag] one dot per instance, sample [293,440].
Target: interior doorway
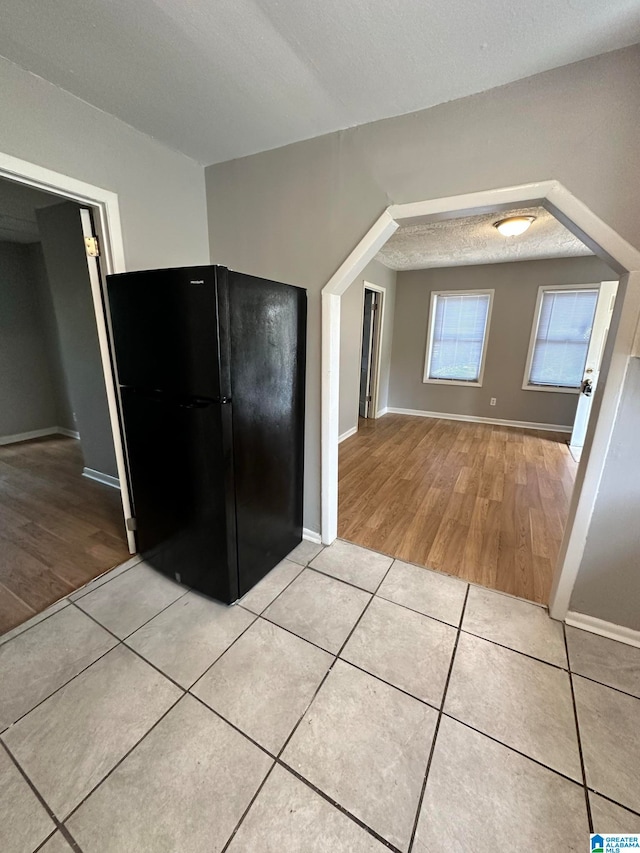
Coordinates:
[63,498]
[599,238]
[372,321]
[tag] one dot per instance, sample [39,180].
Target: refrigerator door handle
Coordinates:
[195,404]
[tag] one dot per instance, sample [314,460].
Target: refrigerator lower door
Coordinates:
[267,323]
[182,486]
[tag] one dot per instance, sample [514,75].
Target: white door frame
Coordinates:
[376,344]
[106,211]
[598,236]
[607,292]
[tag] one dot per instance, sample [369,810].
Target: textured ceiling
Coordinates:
[18,204]
[474,240]
[219,79]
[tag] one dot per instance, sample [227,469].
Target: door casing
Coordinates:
[105,212]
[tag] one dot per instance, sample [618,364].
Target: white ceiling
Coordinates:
[18,205]
[474,240]
[219,79]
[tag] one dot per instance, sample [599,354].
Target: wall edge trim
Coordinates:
[478,420]
[311,536]
[99,477]
[70,433]
[29,434]
[603,628]
[347,434]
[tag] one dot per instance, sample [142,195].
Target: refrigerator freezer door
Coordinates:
[182,484]
[165,329]
[267,333]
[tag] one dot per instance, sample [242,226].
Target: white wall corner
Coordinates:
[311,536]
[70,433]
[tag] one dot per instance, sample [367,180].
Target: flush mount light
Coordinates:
[513,225]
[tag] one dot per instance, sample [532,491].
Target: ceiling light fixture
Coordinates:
[513,225]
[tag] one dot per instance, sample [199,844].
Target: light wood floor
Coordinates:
[58,530]
[486,503]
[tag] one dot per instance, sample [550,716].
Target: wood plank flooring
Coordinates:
[58,530]
[486,503]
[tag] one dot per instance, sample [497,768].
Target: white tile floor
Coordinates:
[354,704]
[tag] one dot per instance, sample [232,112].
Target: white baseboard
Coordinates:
[99,477]
[477,420]
[26,436]
[311,536]
[37,433]
[605,629]
[382,412]
[70,433]
[347,434]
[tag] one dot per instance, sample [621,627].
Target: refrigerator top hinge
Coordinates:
[92,247]
[131,524]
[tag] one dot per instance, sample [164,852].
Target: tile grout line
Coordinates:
[513,749]
[278,759]
[248,808]
[338,806]
[615,802]
[146,622]
[281,763]
[120,760]
[69,601]
[348,583]
[293,634]
[256,617]
[57,690]
[80,594]
[4,642]
[59,826]
[579,739]
[223,653]
[45,842]
[336,656]
[284,588]
[133,651]
[437,726]
[467,725]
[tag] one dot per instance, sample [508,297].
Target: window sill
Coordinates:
[554,389]
[452,382]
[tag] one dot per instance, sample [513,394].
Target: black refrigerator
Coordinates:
[211,369]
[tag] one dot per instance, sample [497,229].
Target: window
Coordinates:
[560,338]
[458,331]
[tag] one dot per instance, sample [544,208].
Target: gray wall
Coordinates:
[27,400]
[351,306]
[66,264]
[38,273]
[160,192]
[516,290]
[608,585]
[295,213]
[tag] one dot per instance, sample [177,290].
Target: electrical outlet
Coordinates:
[492,402]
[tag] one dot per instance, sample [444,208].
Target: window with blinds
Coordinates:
[563,330]
[456,345]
